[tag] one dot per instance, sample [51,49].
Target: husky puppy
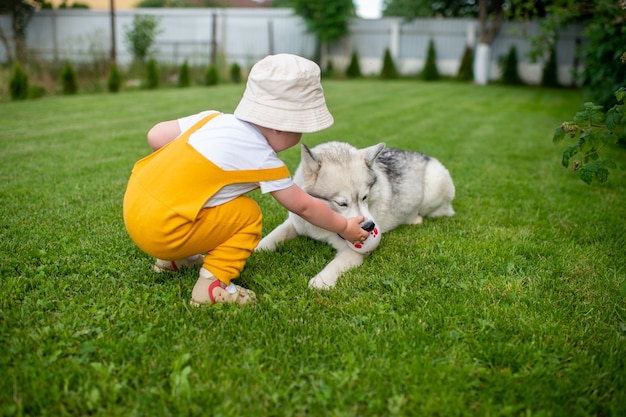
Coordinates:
[389,186]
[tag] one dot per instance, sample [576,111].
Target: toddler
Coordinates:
[185,202]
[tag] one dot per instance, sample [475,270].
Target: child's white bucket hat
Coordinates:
[284,92]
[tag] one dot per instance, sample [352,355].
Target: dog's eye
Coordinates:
[364,198]
[341,203]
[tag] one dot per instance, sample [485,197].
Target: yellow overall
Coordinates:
[164,213]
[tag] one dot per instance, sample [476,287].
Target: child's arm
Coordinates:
[163,133]
[316,212]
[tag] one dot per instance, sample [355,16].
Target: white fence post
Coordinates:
[394,41]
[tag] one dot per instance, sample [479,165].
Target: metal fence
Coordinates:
[246,35]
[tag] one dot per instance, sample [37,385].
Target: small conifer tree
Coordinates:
[550,76]
[152,74]
[18,84]
[184,75]
[68,79]
[354,69]
[330,70]
[211,77]
[235,73]
[466,70]
[36,91]
[114,82]
[510,74]
[431,73]
[388,71]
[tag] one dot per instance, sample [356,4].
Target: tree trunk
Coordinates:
[7,46]
[488,32]
[481,64]
[18,38]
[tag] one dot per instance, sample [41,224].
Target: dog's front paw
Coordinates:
[265,245]
[319,283]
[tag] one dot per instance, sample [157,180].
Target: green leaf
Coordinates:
[606,137]
[593,166]
[558,135]
[592,113]
[613,119]
[609,164]
[581,117]
[568,153]
[620,94]
[582,141]
[597,116]
[592,155]
[602,175]
[586,175]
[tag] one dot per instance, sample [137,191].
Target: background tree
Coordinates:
[69,82]
[431,72]
[354,68]
[549,73]
[604,29]
[466,72]
[179,3]
[153,74]
[388,71]
[508,66]
[211,76]
[490,13]
[327,19]
[140,36]
[235,73]
[114,81]
[605,32]
[604,72]
[184,75]
[18,84]
[411,9]
[21,12]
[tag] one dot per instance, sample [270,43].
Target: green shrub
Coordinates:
[431,73]
[235,73]
[605,37]
[18,84]
[152,74]
[388,71]
[329,72]
[114,82]
[354,68]
[69,81]
[184,75]
[36,91]
[510,74]
[550,76]
[466,69]
[139,38]
[593,130]
[211,77]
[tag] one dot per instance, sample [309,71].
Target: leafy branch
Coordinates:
[593,130]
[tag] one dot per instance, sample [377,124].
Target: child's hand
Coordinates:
[353,231]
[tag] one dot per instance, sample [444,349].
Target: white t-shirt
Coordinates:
[233,144]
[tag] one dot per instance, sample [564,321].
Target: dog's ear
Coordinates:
[308,160]
[372,152]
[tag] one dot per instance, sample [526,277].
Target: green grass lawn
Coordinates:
[515,306]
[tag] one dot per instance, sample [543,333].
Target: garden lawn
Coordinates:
[515,306]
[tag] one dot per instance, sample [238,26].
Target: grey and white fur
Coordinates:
[387,185]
